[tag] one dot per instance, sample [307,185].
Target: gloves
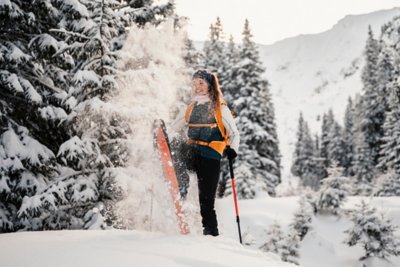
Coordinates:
[230,153]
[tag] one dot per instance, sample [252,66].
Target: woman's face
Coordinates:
[200,86]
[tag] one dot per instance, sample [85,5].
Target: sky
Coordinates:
[272,20]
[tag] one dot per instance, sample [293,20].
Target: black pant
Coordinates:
[207,171]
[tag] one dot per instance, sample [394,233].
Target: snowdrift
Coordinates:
[126,248]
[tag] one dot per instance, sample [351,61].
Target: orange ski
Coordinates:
[169,173]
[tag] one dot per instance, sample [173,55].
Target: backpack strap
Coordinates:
[220,123]
[188,113]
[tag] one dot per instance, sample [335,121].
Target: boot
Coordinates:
[211,231]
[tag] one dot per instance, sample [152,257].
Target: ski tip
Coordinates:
[158,123]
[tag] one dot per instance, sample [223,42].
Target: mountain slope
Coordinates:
[312,73]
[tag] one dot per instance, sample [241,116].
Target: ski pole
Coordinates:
[235,199]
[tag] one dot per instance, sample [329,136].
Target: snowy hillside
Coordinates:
[312,73]
[323,245]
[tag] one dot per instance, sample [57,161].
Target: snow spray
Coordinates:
[152,79]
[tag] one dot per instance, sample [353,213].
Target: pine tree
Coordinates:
[29,115]
[274,239]
[230,86]
[390,149]
[374,233]
[302,219]
[246,188]
[290,247]
[230,90]
[320,171]
[374,110]
[334,191]
[214,49]
[327,122]
[68,146]
[388,185]
[348,139]
[336,146]
[385,74]
[192,57]
[297,166]
[363,163]
[98,134]
[303,156]
[287,247]
[147,11]
[259,146]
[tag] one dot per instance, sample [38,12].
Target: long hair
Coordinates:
[215,92]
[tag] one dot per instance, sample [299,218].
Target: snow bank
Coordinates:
[126,248]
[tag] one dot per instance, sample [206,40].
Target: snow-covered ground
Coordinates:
[125,248]
[322,246]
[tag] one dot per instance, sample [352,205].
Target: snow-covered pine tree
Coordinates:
[334,190]
[363,167]
[388,184]
[320,171]
[390,149]
[192,57]
[303,156]
[374,110]
[336,146]
[311,197]
[214,50]
[89,35]
[287,247]
[246,186]
[348,138]
[386,73]
[298,158]
[29,116]
[230,90]
[274,239]
[374,233]
[230,86]
[149,11]
[302,218]
[256,118]
[327,123]
[290,247]
[86,188]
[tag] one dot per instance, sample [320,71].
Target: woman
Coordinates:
[211,133]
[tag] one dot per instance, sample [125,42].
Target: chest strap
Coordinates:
[211,125]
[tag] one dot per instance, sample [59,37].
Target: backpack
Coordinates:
[218,146]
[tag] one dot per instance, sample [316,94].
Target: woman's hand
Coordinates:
[230,153]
